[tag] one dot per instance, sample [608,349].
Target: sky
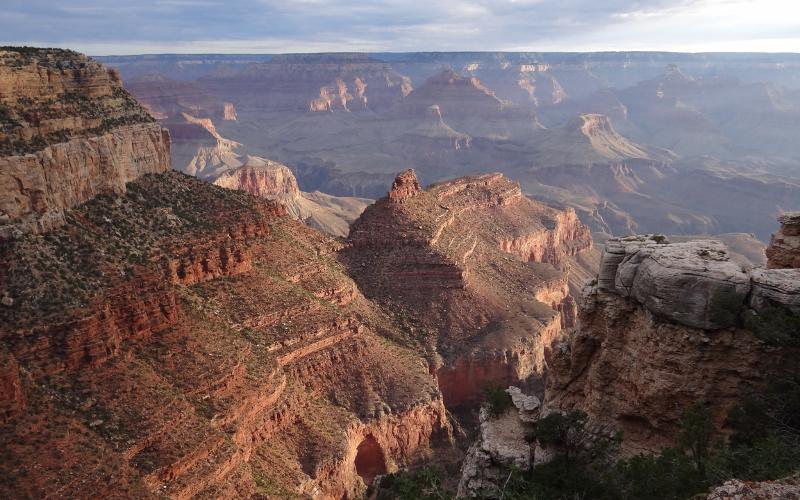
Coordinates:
[106,27]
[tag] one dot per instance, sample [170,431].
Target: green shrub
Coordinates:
[775,325]
[498,401]
[420,484]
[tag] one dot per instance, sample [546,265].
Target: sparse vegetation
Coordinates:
[498,401]
[774,325]
[420,484]
[765,445]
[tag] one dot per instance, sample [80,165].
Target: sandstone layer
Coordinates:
[171,338]
[192,341]
[275,181]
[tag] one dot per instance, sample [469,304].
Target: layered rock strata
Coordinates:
[69,132]
[171,338]
[484,309]
[275,181]
[212,348]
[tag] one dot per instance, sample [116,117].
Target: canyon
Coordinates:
[166,336]
[635,142]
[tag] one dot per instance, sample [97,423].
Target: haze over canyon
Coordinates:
[634,142]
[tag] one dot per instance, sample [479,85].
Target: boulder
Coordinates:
[527,406]
[615,251]
[695,283]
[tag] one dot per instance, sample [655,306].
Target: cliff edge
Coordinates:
[68,132]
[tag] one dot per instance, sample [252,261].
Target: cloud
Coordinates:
[105,27]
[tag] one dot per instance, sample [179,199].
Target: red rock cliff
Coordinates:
[440,258]
[171,338]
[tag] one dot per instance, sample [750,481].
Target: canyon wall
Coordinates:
[69,132]
[784,247]
[275,181]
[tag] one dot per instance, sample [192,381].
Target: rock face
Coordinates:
[190,341]
[695,283]
[69,132]
[261,177]
[485,309]
[605,140]
[502,444]
[784,247]
[404,186]
[665,325]
[275,181]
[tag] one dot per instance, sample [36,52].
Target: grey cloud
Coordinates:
[197,25]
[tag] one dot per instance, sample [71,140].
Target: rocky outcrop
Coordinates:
[438,257]
[404,186]
[784,247]
[604,139]
[275,181]
[261,177]
[665,325]
[783,489]
[695,284]
[501,446]
[37,188]
[69,132]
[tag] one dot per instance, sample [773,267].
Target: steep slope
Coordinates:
[272,180]
[68,132]
[588,139]
[478,273]
[176,339]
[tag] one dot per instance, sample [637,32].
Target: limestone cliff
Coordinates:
[484,308]
[69,132]
[666,325]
